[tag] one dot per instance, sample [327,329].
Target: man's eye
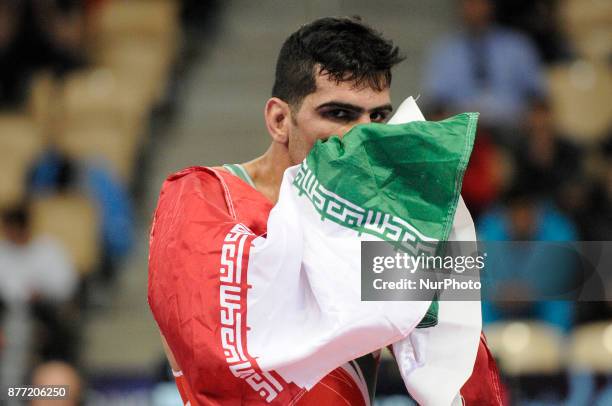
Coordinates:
[378,117]
[338,114]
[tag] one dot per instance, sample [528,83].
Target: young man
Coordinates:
[331,75]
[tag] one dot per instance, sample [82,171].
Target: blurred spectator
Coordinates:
[596,219]
[37,34]
[484,68]
[10,82]
[600,226]
[575,196]
[545,159]
[32,267]
[58,373]
[594,214]
[54,173]
[589,200]
[519,284]
[486,175]
[200,15]
[538,19]
[35,272]
[2,329]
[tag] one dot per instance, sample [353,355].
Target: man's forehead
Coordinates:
[362,95]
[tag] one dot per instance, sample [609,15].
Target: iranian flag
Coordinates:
[268,310]
[390,182]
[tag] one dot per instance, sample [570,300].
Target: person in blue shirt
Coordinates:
[55,173]
[525,280]
[484,68]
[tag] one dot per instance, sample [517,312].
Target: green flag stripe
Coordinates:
[397,182]
[341,211]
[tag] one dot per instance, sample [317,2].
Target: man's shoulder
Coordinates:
[192,173]
[509,38]
[187,179]
[209,191]
[192,186]
[450,42]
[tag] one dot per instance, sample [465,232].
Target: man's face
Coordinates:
[477,14]
[333,109]
[16,234]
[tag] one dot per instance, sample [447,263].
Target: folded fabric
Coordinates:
[379,182]
[260,318]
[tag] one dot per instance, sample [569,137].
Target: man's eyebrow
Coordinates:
[352,107]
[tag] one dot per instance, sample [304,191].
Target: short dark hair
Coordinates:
[16,216]
[344,47]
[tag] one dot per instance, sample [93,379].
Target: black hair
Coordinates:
[343,47]
[66,174]
[17,216]
[606,146]
[522,191]
[540,103]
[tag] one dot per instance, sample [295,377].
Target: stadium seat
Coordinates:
[20,143]
[588,25]
[145,63]
[98,96]
[148,18]
[526,347]
[42,102]
[580,96]
[72,219]
[139,33]
[591,348]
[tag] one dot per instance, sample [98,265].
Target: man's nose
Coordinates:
[363,119]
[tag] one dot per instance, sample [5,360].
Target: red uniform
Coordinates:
[197,209]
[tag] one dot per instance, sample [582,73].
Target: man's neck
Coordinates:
[267,170]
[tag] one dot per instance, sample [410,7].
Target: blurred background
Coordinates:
[102,99]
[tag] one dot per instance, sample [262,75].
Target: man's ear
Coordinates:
[278,119]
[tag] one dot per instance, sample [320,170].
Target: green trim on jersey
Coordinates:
[239,171]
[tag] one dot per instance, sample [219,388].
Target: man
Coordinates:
[331,75]
[58,373]
[33,268]
[528,216]
[484,68]
[37,280]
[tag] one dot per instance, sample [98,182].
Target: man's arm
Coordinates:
[171,360]
[181,382]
